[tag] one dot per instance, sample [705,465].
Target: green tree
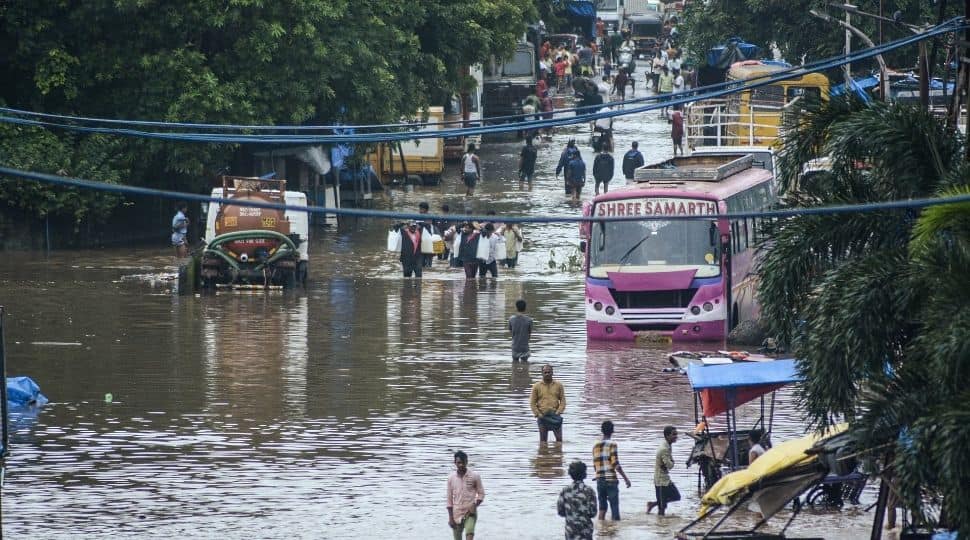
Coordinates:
[872,303]
[229,62]
[789,25]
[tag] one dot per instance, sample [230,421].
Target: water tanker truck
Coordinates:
[251,246]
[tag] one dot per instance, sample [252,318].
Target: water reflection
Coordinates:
[257,364]
[548,461]
[521,379]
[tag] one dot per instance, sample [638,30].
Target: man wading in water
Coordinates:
[548,401]
[471,168]
[465,495]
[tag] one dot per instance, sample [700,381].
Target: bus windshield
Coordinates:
[606,5]
[654,246]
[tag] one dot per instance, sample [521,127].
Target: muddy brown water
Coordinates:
[333,412]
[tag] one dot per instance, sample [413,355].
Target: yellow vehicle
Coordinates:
[424,159]
[752,117]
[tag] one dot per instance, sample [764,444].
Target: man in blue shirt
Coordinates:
[577,175]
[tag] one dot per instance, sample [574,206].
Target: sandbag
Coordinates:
[394,241]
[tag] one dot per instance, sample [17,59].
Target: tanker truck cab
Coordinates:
[254,246]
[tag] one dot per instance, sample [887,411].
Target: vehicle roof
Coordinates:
[750,69]
[699,189]
[643,17]
[730,149]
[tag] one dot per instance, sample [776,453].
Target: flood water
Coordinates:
[334,412]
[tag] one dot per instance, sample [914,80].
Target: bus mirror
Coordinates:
[582,246]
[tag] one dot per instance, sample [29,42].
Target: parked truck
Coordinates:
[423,159]
[467,107]
[507,82]
[251,246]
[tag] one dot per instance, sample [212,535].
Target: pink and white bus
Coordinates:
[691,280]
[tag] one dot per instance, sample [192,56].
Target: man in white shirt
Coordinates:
[604,126]
[756,449]
[678,81]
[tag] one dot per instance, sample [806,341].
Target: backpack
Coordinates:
[630,162]
[577,171]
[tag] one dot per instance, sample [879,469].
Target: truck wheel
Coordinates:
[183,284]
[414,180]
[301,273]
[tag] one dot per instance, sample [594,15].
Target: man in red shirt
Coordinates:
[677,129]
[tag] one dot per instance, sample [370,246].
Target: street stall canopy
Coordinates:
[723,387]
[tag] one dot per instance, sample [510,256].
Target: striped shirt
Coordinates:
[605,459]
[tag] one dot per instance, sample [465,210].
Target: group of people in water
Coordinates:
[477,247]
[573,168]
[578,503]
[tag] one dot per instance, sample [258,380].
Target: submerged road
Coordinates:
[333,412]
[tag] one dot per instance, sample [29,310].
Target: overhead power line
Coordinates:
[386,214]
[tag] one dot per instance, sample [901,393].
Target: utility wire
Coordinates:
[400,216]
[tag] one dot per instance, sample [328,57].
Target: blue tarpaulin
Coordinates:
[857,86]
[735,50]
[723,387]
[23,400]
[23,392]
[582,13]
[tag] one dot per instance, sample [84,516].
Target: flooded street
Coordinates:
[334,412]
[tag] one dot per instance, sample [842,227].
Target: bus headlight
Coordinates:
[598,306]
[696,310]
[610,310]
[708,306]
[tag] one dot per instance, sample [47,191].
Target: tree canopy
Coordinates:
[228,62]
[788,25]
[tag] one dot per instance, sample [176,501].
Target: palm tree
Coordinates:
[875,303]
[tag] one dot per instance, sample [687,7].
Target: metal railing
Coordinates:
[717,122]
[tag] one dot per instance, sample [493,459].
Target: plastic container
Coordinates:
[394,240]
[427,242]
